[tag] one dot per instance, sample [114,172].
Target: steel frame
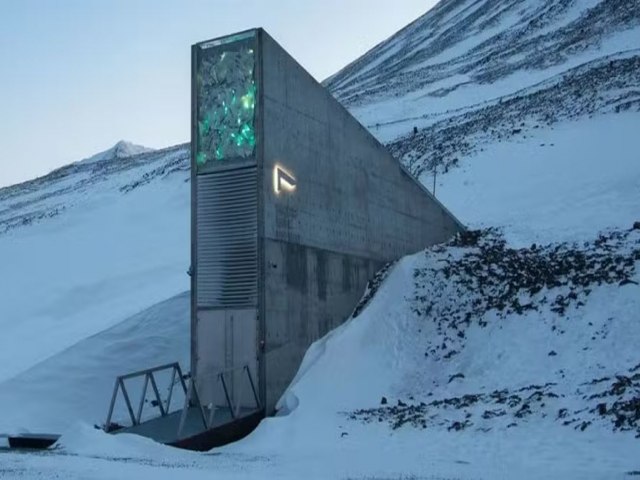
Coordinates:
[192,399]
[148,374]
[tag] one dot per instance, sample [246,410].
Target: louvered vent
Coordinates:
[227,238]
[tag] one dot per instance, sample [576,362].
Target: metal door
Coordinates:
[226,286]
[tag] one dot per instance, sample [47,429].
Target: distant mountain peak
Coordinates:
[122,149]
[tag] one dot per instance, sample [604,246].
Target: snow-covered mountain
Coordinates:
[510,352]
[122,149]
[93,261]
[542,93]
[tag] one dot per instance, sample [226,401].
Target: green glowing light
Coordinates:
[248,99]
[201,158]
[226,101]
[248,135]
[204,127]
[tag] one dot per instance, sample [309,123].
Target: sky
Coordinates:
[77,76]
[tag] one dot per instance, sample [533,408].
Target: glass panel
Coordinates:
[226,98]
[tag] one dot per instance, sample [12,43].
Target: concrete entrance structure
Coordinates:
[295,206]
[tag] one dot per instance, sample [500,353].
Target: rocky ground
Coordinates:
[603,86]
[615,399]
[32,202]
[477,280]
[540,35]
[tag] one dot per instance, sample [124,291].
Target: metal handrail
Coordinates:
[149,378]
[192,392]
[221,375]
[191,396]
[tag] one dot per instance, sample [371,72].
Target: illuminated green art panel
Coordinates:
[226,99]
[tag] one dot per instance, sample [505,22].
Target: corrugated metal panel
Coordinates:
[227,238]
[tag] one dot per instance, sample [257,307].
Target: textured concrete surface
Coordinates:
[353,209]
[344,209]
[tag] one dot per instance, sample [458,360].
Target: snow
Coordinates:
[378,354]
[76,384]
[353,367]
[122,149]
[560,184]
[389,118]
[110,458]
[90,268]
[93,284]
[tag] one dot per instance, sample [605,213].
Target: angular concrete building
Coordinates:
[295,206]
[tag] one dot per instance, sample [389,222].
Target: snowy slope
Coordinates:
[510,353]
[86,247]
[381,397]
[77,383]
[413,388]
[464,52]
[530,104]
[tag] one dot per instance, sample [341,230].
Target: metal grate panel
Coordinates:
[227,238]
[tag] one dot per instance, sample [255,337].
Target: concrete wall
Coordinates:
[353,209]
